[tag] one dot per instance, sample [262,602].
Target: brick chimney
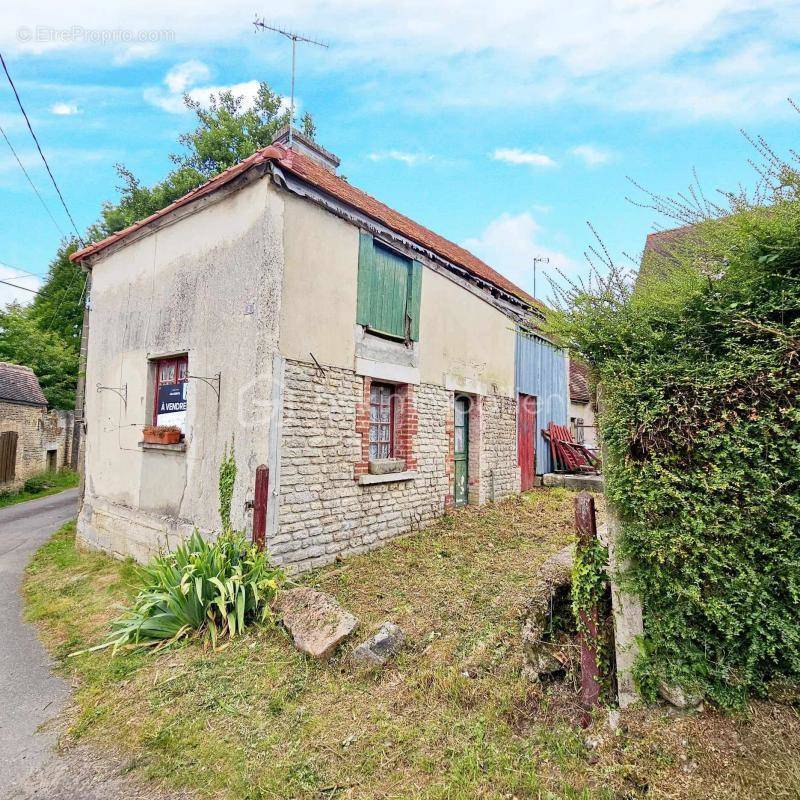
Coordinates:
[308,147]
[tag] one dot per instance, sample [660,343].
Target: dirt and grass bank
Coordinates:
[451,717]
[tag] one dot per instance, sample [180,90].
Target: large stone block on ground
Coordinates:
[554,577]
[378,649]
[316,621]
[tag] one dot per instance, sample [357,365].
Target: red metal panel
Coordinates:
[260,501]
[526,441]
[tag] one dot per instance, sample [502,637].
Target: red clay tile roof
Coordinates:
[318,176]
[579,382]
[19,384]
[663,242]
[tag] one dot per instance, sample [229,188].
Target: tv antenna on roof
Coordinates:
[294,38]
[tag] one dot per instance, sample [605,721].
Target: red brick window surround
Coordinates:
[382,407]
[386,420]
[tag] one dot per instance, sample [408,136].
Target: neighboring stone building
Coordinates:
[32,439]
[582,420]
[374,367]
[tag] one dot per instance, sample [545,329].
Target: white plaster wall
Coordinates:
[318,310]
[584,411]
[466,344]
[184,288]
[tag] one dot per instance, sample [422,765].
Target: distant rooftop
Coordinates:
[579,382]
[19,384]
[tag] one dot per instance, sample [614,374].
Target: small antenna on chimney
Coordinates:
[294,38]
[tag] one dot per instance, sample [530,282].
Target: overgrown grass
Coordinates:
[451,718]
[41,485]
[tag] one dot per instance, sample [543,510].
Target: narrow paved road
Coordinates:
[29,694]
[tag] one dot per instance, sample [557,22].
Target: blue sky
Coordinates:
[504,129]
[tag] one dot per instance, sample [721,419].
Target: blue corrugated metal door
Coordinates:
[542,372]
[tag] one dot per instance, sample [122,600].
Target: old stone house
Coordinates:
[380,372]
[32,438]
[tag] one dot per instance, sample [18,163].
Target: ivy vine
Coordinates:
[700,370]
[589,578]
[227,479]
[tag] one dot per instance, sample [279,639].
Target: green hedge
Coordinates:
[700,374]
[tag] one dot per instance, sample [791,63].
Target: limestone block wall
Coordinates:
[325,512]
[39,431]
[500,474]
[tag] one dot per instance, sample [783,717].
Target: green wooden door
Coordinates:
[461,436]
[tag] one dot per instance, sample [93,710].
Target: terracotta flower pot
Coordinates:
[162,435]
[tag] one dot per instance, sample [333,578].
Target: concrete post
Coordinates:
[627,611]
[586,529]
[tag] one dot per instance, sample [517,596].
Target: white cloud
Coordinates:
[509,244]
[513,155]
[409,159]
[592,156]
[10,294]
[135,52]
[665,56]
[248,90]
[183,79]
[178,81]
[64,109]
[183,76]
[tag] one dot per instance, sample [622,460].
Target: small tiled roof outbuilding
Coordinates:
[579,382]
[19,384]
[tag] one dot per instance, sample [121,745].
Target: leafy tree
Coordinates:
[46,352]
[46,335]
[226,132]
[58,307]
[137,201]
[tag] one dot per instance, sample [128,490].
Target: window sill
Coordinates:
[168,448]
[387,466]
[391,477]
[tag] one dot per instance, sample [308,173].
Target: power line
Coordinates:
[24,288]
[38,147]
[19,269]
[41,199]
[61,300]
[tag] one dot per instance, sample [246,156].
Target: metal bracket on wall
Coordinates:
[210,381]
[120,391]
[320,369]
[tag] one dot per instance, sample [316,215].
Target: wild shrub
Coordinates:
[212,589]
[40,482]
[699,373]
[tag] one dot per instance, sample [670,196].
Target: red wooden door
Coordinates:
[526,440]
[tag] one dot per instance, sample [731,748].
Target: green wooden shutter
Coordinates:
[389,289]
[365,278]
[389,292]
[413,303]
